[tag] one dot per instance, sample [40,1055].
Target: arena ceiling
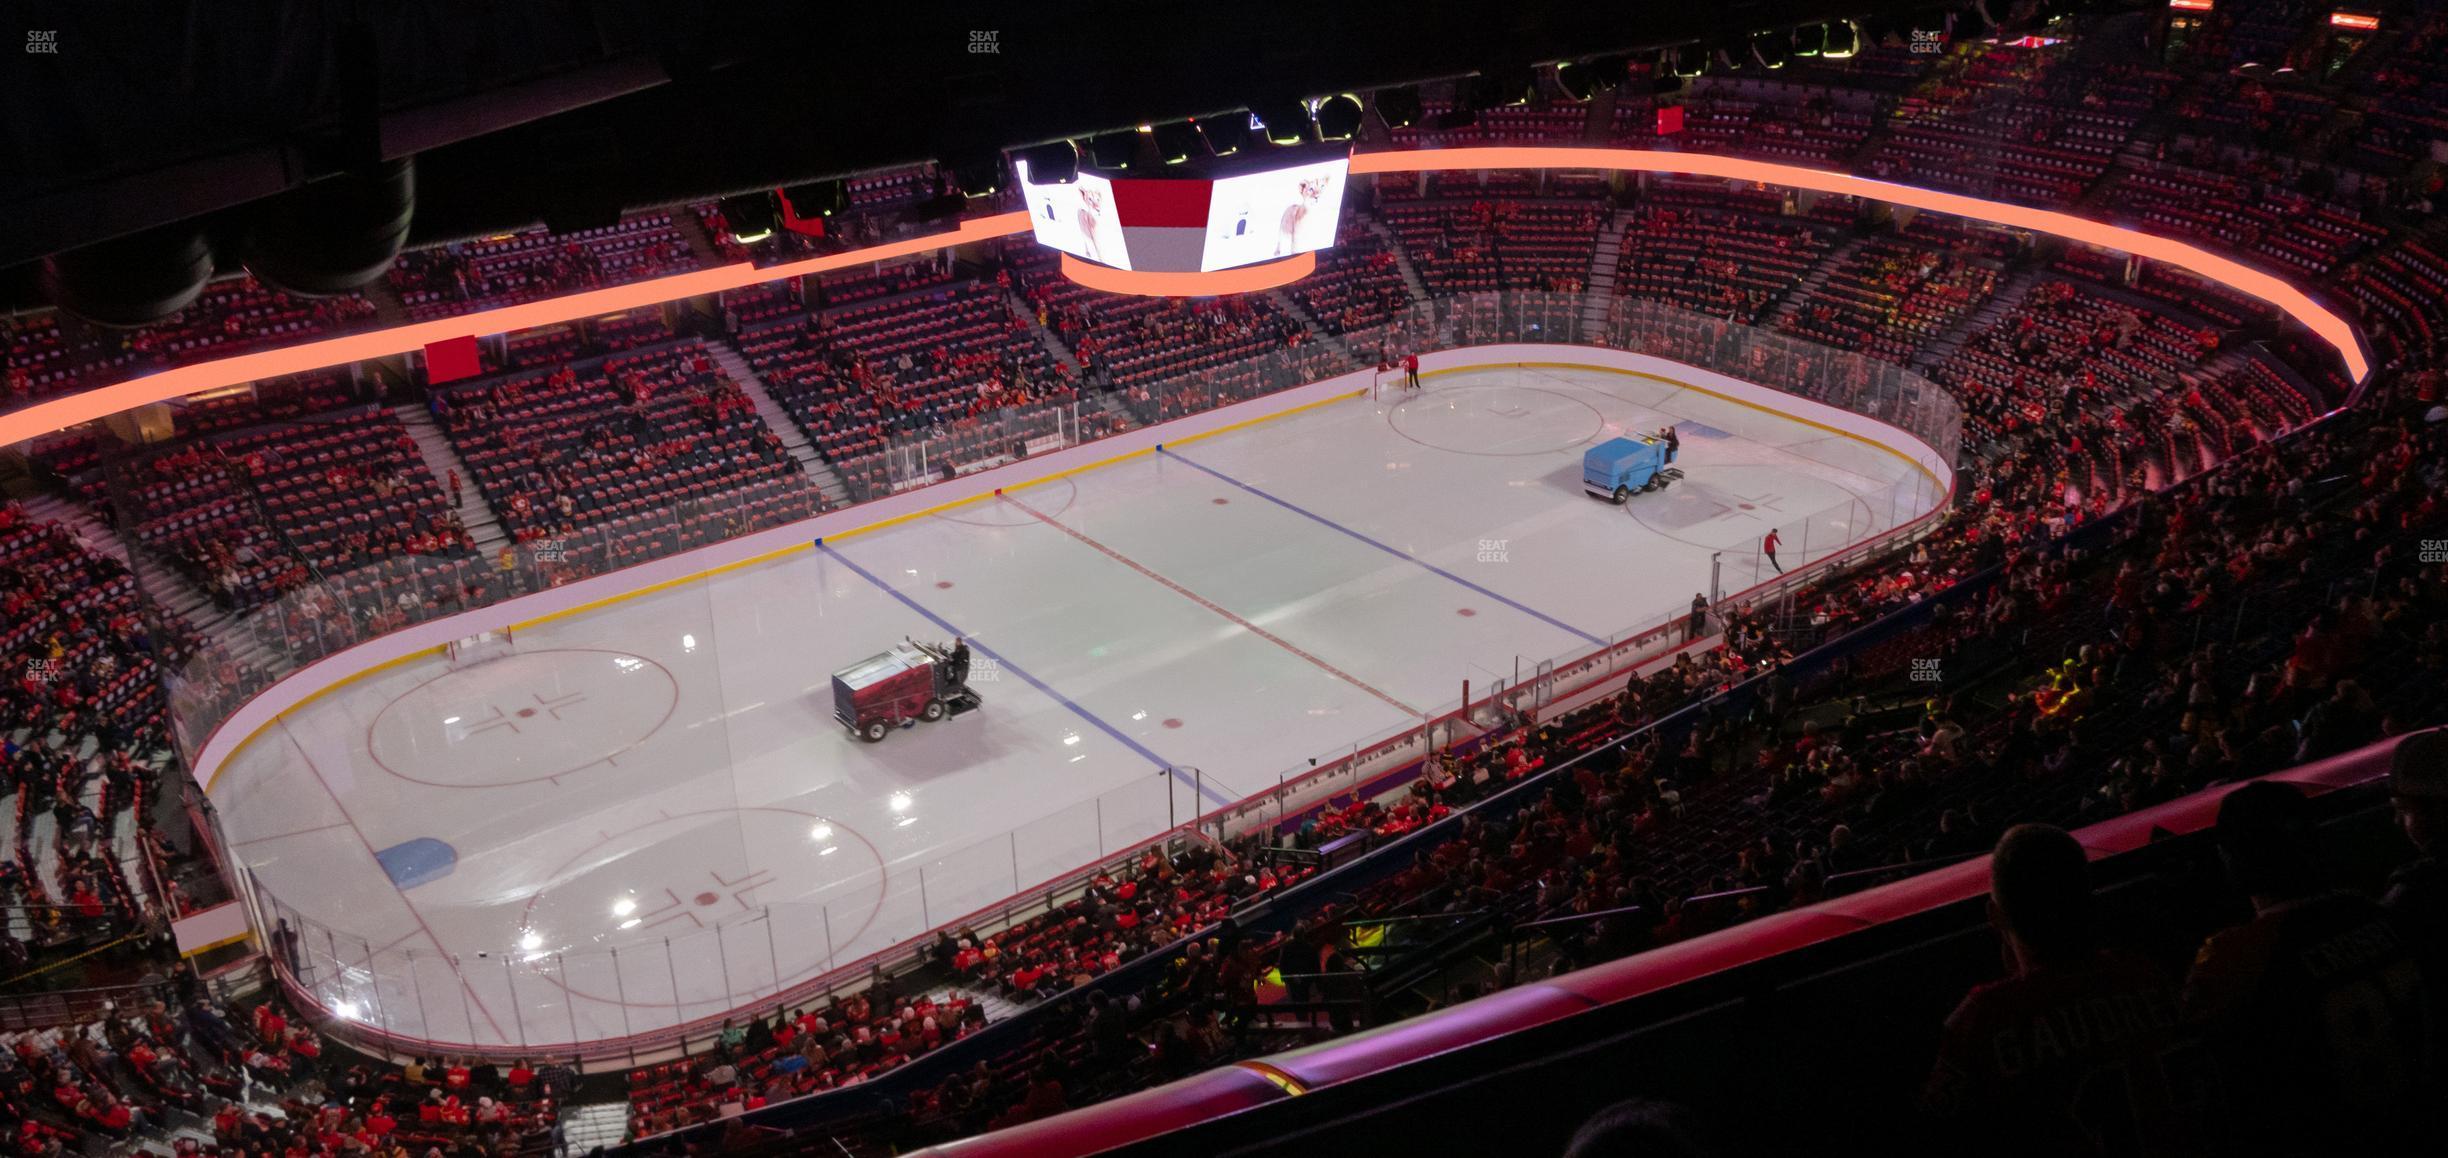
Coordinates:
[122,117]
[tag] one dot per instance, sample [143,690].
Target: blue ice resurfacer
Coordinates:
[1619,468]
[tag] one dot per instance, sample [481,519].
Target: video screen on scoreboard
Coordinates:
[1078,218]
[1262,216]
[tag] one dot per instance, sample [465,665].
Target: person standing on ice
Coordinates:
[1768,546]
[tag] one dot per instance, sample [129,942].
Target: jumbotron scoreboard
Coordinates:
[1213,214]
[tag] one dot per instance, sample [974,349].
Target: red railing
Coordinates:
[1237,1088]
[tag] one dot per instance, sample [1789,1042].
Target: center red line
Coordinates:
[1217,608]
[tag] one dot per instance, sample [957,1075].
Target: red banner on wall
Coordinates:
[451,360]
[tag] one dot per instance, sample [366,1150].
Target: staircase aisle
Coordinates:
[125,854]
[2135,155]
[1791,303]
[388,308]
[54,509]
[794,440]
[1598,124]
[483,526]
[162,586]
[1317,332]
[1402,257]
[997,1009]
[2005,302]
[1027,314]
[594,1126]
[1604,264]
[1109,401]
[701,243]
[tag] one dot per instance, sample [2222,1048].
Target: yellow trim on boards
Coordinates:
[1865,440]
[769,556]
[1099,464]
[232,939]
[309,698]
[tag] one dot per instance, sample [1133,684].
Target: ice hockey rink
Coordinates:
[646,814]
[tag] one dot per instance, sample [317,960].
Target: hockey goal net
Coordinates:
[480,647]
[1388,386]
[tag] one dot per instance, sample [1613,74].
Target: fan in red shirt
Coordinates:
[270,1025]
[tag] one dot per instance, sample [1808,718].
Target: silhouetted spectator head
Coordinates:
[2265,836]
[1639,1128]
[2040,892]
[2418,786]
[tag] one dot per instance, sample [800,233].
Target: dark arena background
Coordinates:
[1542,578]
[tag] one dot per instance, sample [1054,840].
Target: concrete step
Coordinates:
[1112,402]
[701,244]
[777,419]
[997,1008]
[1598,123]
[1605,263]
[2002,304]
[585,1127]
[1816,278]
[1054,345]
[88,529]
[1402,258]
[42,837]
[162,584]
[442,458]
[126,854]
[388,308]
[1283,301]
